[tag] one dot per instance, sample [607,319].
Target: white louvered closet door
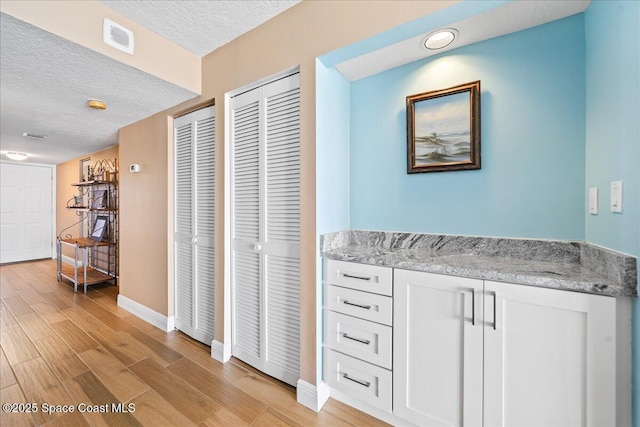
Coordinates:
[266,228]
[195,223]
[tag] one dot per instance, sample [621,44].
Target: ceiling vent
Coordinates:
[117,36]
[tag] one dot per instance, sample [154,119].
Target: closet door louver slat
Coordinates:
[195,201]
[205,203]
[183,227]
[246,262]
[266,228]
[282,217]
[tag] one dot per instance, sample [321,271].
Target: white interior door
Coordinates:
[265,216]
[194,226]
[26,212]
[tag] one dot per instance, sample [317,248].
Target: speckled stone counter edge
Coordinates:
[619,268]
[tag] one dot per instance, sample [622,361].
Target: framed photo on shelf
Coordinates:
[100,230]
[443,129]
[100,199]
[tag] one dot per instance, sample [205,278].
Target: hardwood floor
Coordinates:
[84,352]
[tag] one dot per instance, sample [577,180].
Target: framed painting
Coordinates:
[443,129]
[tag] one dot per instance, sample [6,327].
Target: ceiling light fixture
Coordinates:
[34,136]
[14,155]
[440,38]
[97,104]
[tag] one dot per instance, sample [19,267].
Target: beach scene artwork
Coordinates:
[443,130]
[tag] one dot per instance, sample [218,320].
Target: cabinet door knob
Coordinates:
[347,302]
[495,318]
[361,382]
[360,340]
[257,247]
[351,276]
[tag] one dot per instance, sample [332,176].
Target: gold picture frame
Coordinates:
[443,129]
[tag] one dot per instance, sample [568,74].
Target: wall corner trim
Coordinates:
[311,396]
[145,313]
[220,351]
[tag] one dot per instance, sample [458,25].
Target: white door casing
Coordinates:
[26,212]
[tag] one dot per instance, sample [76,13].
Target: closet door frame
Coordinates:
[222,350]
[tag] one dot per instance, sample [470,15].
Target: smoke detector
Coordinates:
[117,36]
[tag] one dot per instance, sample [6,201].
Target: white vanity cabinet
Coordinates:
[357,331]
[469,352]
[549,357]
[437,349]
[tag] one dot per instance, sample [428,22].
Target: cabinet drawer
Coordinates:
[362,339]
[364,305]
[359,379]
[369,278]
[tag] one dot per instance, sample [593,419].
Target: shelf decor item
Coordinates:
[100,200]
[100,230]
[443,129]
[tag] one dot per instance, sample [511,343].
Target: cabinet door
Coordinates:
[549,357]
[437,349]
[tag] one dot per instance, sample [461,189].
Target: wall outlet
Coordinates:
[616,196]
[593,200]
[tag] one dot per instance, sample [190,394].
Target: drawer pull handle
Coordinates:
[363,383]
[360,340]
[366,307]
[351,276]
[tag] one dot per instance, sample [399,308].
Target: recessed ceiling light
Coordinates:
[14,155]
[97,104]
[440,38]
[34,136]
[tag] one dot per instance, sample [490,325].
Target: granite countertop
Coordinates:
[574,266]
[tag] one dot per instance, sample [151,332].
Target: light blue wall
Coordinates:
[613,136]
[332,150]
[533,127]
[332,170]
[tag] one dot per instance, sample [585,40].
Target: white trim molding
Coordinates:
[220,351]
[311,396]
[158,320]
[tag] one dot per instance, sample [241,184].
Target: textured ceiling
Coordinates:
[200,26]
[512,17]
[46,80]
[45,83]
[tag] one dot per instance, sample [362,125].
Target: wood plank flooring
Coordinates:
[58,347]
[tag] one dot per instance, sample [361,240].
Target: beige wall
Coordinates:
[143,213]
[296,37]
[66,174]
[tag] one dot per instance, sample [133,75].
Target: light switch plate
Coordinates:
[593,200]
[616,196]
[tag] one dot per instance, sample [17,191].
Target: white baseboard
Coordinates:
[145,313]
[369,409]
[220,351]
[311,396]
